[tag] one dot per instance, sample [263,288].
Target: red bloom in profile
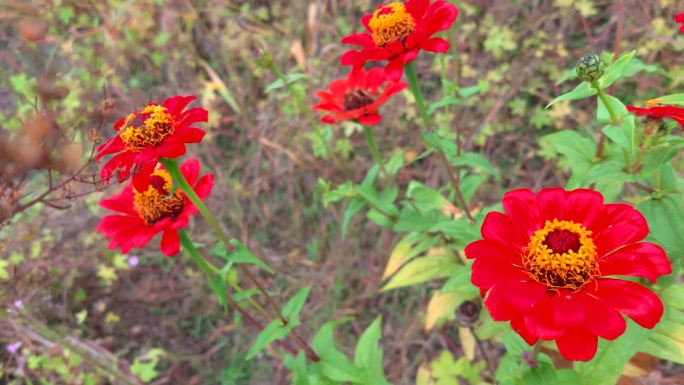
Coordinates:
[660,112]
[141,215]
[358,97]
[145,136]
[398,31]
[544,266]
[680,19]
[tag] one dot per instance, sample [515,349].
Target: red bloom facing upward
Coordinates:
[145,136]
[543,265]
[358,97]
[660,112]
[141,215]
[398,31]
[680,19]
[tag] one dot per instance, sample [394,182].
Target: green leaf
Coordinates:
[294,306]
[667,342]
[368,354]
[579,151]
[239,255]
[674,99]
[602,114]
[474,160]
[406,249]
[665,218]
[615,70]
[291,78]
[582,91]
[426,199]
[423,269]
[607,365]
[218,286]
[353,208]
[300,373]
[271,333]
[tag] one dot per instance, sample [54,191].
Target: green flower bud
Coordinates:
[262,57]
[590,68]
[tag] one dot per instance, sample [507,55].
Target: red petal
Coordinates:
[632,299]
[205,185]
[189,135]
[577,344]
[119,203]
[141,179]
[352,58]
[112,224]
[488,272]
[192,116]
[551,203]
[170,243]
[499,227]
[567,309]
[604,321]
[171,148]
[394,70]
[362,39]
[190,170]
[176,104]
[370,119]
[516,297]
[582,205]
[111,146]
[417,8]
[540,321]
[521,205]
[617,225]
[486,248]
[436,44]
[518,325]
[638,259]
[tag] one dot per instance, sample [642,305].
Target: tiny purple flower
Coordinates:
[18,304]
[14,347]
[133,261]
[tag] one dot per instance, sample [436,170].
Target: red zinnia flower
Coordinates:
[660,112]
[145,136]
[144,214]
[680,19]
[543,265]
[398,31]
[358,97]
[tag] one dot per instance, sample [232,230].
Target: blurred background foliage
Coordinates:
[70,69]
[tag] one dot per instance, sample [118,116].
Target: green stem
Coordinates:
[615,120]
[175,172]
[368,132]
[211,270]
[208,269]
[604,98]
[410,71]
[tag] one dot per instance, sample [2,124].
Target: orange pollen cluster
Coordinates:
[391,22]
[561,255]
[155,203]
[155,126]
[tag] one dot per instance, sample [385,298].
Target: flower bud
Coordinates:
[262,57]
[590,68]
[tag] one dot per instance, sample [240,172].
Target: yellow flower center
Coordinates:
[561,255]
[155,203]
[147,128]
[652,102]
[391,22]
